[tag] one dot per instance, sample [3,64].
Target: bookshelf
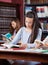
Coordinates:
[7,13]
[41,8]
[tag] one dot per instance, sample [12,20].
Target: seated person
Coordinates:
[14,27]
[29,33]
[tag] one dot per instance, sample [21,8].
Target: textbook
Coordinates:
[7,36]
[42,42]
[7,45]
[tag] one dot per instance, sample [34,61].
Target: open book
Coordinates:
[7,45]
[42,42]
[7,36]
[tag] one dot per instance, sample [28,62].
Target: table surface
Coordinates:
[23,55]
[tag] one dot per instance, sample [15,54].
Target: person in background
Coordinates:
[28,34]
[14,27]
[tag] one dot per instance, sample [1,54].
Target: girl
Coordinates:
[29,33]
[14,27]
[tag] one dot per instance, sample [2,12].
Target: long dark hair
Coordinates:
[16,20]
[35,26]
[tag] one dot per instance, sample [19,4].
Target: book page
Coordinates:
[45,40]
[10,45]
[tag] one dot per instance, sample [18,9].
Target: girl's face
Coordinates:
[13,23]
[28,22]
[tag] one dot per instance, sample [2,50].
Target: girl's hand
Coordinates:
[46,44]
[12,37]
[4,38]
[38,45]
[23,45]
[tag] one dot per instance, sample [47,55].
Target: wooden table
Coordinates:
[1,41]
[23,55]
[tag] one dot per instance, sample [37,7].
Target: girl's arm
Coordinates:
[38,38]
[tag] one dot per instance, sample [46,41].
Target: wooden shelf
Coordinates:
[45,30]
[36,4]
[39,1]
[43,17]
[6,15]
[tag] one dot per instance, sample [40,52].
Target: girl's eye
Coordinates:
[29,22]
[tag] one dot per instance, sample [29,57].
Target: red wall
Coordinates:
[16,2]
